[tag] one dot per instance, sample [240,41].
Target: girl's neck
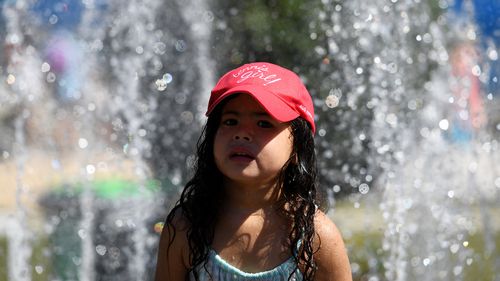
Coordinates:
[251,197]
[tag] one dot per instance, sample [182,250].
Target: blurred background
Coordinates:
[102,102]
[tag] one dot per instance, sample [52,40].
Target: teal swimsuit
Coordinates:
[220,270]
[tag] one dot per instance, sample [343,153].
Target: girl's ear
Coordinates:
[294,158]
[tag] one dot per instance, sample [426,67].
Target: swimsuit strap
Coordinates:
[216,268]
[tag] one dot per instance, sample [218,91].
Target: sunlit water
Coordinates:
[89,100]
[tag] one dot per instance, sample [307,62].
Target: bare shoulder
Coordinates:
[331,256]
[173,250]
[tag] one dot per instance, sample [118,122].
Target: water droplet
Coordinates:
[320,51]
[45,67]
[454,248]
[167,77]
[76,260]
[119,223]
[476,70]
[142,132]
[180,45]
[412,105]
[51,77]
[322,132]
[466,243]
[392,119]
[208,16]
[364,188]
[39,269]
[336,188]
[464,115]
[82,233]
[53,19]
[427,38]
[444,124]
[471,34]
[187,117]
[497,182]
[13,39]
[426,261]
[101,250]
[5,154]
[392,68]
[83,143]
[139,50]
[91,107]
[493,54]
[451,193]
[359,70]
[159,48]
[90,169]
[469,261]
[332,101]
[11,79]
[158,227]
[161,85]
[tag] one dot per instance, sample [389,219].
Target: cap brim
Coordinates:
[274,105]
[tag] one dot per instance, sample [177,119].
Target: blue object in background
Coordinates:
[487,18]
[60,14]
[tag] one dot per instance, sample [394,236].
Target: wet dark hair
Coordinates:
[203,195]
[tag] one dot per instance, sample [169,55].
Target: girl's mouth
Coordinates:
[241,155]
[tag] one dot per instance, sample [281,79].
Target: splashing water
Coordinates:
[431,186]
[87,84]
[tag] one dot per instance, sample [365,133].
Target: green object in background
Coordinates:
[109,188]
[3,258]
[62,205]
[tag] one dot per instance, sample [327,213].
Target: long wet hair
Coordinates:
[202,197]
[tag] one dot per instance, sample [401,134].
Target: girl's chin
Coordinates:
[243,177]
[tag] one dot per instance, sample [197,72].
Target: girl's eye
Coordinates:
[264,124]
[229,122]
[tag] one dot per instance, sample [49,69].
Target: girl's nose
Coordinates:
[242,135]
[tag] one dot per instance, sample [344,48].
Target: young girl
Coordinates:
[249,211]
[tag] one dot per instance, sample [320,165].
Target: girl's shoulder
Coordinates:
[173,251]
[323,224]
[331,256]
[176,229]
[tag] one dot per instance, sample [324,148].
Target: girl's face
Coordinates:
[250,146]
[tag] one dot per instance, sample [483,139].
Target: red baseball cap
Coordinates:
[279,90]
